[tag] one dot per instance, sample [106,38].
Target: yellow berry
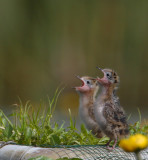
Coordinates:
[126,145]
[141,141]
[134,143]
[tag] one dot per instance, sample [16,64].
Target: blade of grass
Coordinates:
[6,118]
[139,114]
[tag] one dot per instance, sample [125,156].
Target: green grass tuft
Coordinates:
[33,126]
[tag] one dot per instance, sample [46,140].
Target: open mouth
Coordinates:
[81,81]
[103,79]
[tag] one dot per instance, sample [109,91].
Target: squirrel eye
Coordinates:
[107,75]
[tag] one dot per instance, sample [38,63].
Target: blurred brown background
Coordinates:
[45,43]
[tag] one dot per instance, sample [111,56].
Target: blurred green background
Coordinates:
[45,43]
